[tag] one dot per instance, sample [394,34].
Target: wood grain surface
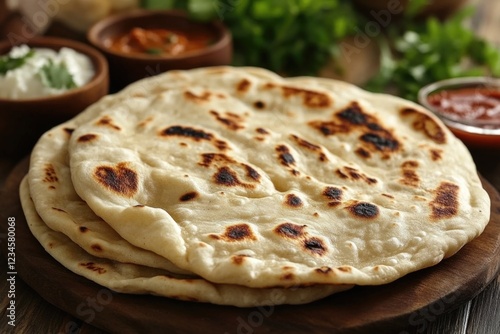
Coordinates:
[412,300]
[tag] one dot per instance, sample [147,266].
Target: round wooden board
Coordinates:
[410,302]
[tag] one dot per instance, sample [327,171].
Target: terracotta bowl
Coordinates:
[127,67]
[22,122]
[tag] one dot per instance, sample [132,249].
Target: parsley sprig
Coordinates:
[9,63]
[57,75]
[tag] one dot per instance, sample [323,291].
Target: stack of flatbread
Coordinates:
[236,186]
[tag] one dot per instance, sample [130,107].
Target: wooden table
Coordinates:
[481,315]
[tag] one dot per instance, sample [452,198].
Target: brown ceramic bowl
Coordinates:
[23,121]
[128,67]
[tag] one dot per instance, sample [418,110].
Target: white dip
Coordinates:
[27,81]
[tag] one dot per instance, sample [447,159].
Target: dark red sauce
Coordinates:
[476,106]
[160,41]
[481,104]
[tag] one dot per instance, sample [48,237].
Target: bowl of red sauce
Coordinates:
[470,107]
[143,43]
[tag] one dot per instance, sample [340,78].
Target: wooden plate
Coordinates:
[410,302]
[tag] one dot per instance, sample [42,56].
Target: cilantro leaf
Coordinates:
[8,63]
[154,51]
[57,76]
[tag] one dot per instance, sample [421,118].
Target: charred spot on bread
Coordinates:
[293,201]
[187,131]
[333,194]
[108,122]
[188,196]
[409,173]
[310,98]
[50,174]
[445,203]
[86,138]
[284,155]
[259,105]
[425,124]
[93,267]
[203,97]
[243,86]
[290,230]
[353,114]
[364,210]
[121,179]
[380,142]
[227,177]
[230,121]
[315,245]
[239,232]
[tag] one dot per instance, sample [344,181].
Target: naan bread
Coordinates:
[64,211]
[130,278]
[243,177]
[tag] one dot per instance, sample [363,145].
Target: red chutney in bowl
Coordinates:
[163,42]
[474,104]
[470,107]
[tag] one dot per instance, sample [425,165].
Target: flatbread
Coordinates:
[136,279]
[64,211]
[243,177]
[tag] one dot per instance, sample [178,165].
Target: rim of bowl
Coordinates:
[98,27]
[471,126]
[99,61]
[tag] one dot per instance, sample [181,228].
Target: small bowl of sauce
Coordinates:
[160,42]
[470,107]
[143,43]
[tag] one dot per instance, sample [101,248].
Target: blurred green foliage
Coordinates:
[416,53]
[298,37]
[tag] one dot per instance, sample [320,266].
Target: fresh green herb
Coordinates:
[205,10]
[294,37]
[154,51]
[8,63]
[414,8]
[57,76]
[420,52]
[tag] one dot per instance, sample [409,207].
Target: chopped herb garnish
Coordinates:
[57,76]
[8,63]
[154,51]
